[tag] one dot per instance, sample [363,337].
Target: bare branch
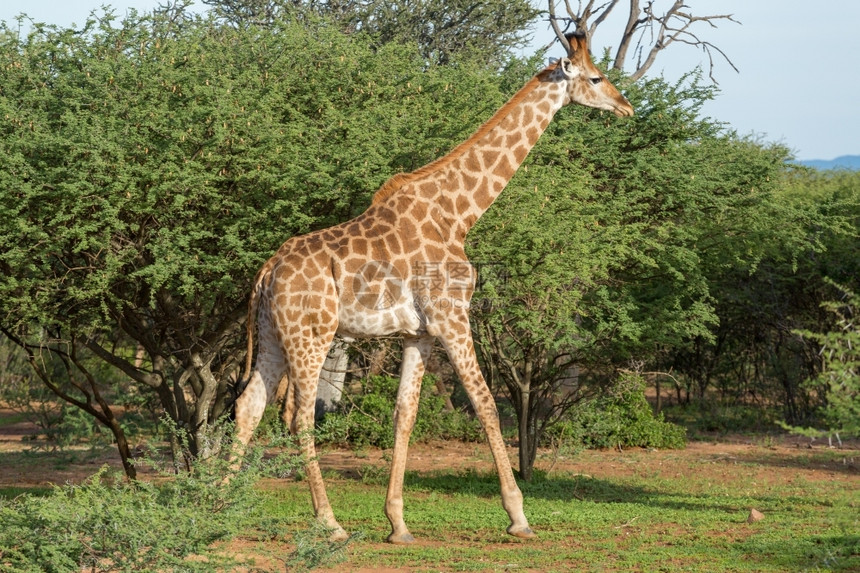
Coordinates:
[558,31]
[674,25]
[647,32]
[603,12]
[633,22]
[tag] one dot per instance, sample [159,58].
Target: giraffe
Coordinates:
[400,268]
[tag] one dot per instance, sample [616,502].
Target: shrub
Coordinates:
[314,548]
[367,419]
[620,418]
[109,523]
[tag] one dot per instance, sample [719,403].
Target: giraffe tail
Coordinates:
[253,305]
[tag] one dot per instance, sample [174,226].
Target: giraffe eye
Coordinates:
[595,81]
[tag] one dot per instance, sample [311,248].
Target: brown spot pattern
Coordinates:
[388,271]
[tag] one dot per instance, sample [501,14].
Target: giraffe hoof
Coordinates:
[337,535]
[523,532]
[401,539]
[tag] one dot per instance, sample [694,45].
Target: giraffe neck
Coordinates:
[460,186]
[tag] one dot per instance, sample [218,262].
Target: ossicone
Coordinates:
[576,41]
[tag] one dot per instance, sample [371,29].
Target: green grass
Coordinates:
[11,492]
[647,522]
[13,418]
[637,510]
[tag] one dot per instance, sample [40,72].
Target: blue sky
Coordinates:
[798,70]
[798,80]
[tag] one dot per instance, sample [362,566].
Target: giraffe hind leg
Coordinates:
[305,369]
[416,351]
[269,370]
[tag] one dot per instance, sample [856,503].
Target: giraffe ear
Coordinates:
[568,69]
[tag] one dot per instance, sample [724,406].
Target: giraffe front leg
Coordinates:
[461,351]
[415,354]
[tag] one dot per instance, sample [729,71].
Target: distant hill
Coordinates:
[844,162]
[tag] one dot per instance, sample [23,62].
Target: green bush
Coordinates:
[620,418]
[838,383]
[314,548]
[367,419]
[109,523]
[705,417]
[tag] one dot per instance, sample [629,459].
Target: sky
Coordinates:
[798,65]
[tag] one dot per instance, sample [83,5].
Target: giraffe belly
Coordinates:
[359,321]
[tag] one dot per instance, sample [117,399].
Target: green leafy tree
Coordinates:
[490,30]
[756,356]
[443,30]
[838,384]
[148,168]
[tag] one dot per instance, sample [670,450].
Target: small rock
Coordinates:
[755,515]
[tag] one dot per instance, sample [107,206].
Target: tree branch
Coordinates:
[150,379]
[655,31]
[558,31]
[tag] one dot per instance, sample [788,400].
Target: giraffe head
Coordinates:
[586,85]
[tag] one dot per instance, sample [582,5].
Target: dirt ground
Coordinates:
[777,459]
[763,460]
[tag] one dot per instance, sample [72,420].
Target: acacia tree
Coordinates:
[442,29]
[111,207]
[605,234]
[147,169]
[490,30]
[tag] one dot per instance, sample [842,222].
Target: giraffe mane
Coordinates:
[399,180]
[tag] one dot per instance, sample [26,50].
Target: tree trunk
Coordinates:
[330,388]
[124,449]
[443,391]
[627,35]
[526,435]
